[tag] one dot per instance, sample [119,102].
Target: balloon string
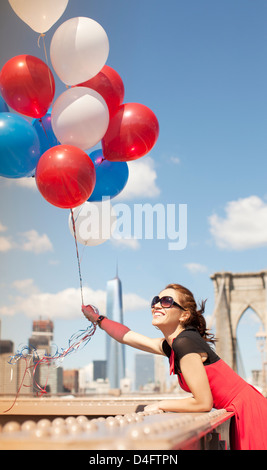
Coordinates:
[100,163]
[42,124]
[46,58]
[81,338]
[77,253]
[21,383]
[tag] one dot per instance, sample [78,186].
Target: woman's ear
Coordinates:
[185,316]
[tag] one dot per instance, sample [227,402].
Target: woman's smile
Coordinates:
[158,313]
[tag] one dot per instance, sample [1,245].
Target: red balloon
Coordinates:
[109,85]
[65,176]
[27,85]
[131,134]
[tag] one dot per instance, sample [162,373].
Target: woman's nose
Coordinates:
[158,303]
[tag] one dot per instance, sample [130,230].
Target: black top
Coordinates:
[189,341]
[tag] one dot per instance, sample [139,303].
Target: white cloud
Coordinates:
[63,304]
[5,244]
[175,160]
[196,268]
[244,225]
[2,228]
[133,302]
[141,181]
[131,243]
[54,262]
[35,242]
[27,182]
[27,241]
[26,286]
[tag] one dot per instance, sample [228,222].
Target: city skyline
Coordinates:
[51,377]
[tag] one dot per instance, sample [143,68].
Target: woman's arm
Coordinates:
[196,378]
[123,334]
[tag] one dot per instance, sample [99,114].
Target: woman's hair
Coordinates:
[196,317]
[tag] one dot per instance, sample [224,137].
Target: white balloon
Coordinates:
[40,15]
[94,222]
[80,117]
[79,50]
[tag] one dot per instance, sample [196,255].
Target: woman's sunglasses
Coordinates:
[165,302]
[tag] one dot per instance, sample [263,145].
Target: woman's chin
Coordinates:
[156,322]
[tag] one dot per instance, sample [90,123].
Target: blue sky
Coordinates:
[200,65]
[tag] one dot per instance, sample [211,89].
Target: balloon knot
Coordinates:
[42,35]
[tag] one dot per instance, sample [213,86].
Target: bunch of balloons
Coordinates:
[55,145]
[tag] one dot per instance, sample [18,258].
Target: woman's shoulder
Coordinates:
[189,335]
[189,340]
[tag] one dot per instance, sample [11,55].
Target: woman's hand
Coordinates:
[90,312]
[153,407]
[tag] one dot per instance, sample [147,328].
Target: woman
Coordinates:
[200,370]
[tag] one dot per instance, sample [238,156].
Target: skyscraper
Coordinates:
[150,370]
[99,370]
[144,370]
[42,335]
[46,375]
[115,350]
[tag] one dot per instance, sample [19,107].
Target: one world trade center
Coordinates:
[115,350]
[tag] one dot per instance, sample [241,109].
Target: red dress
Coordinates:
[229,392]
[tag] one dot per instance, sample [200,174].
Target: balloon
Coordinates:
[45,132]
[40,15]
[111,177]
[78,50]
[65,176]
[80,117]
[108,84]
[19,146]
[131,134]
[3,106]
[27,85]
[94,223]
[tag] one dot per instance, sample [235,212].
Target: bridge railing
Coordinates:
[108,424]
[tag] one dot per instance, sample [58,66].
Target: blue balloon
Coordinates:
[3,106]
[45,132]
[19,146]
[111,177]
